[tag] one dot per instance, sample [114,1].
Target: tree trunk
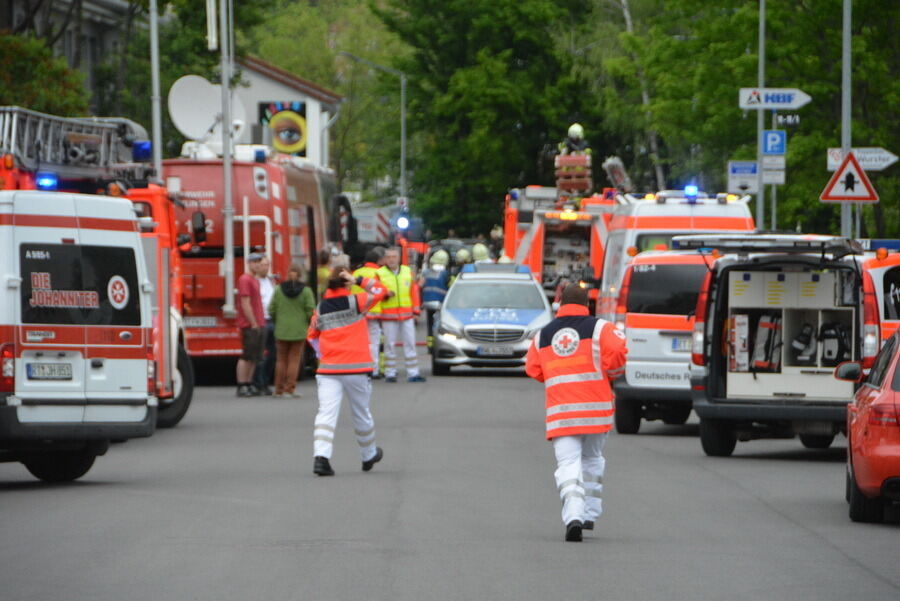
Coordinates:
[76,37]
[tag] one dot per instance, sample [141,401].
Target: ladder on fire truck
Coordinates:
[72,147]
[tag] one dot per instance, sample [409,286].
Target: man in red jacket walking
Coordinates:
[576,356]
[339,334]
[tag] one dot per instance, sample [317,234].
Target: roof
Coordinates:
[495,277]
[323,95]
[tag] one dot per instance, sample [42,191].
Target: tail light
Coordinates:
[622,305]
[698,336]
[151,373]
[883,414]
[7,368]
[871,325]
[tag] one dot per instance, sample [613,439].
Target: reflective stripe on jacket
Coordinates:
[405,302]
[367,271]
[340,326]
[576,356]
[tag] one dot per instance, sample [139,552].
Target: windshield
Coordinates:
[656,241]
[489,295]
[665,289]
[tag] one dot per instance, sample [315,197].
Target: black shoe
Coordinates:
[588,525]
[322,466]
[377,377]
[243,390]
[263,391]
[573,531]
[367,465]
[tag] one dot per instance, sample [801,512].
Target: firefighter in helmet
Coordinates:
[435,281]
[574,142]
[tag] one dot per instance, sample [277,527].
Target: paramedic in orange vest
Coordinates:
[340,336]
[576,356]
[374,261]
[397,316]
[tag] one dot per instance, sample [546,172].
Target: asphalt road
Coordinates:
[464,506]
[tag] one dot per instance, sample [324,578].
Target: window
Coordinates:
[494,295]
[67,284]
[655,241]
[614,263]
[882,361]
[665,289]
[891,289]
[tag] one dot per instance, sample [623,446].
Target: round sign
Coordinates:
[565,342]
[117,292]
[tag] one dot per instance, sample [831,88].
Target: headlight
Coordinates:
[445,331]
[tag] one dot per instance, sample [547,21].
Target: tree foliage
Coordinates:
[33,78]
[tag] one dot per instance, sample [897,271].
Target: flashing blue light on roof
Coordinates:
[46,181]
[691,191]
[402,222]
[142,151]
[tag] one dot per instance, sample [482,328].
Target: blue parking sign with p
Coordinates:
[774,141]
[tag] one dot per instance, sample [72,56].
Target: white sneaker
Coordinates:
[296,394]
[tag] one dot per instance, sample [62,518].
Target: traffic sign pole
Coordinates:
[846,216]
[761,82]
[774,188]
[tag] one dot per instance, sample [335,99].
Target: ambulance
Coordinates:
[76,345]
[650,223]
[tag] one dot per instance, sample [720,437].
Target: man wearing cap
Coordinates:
[252,322]
[576,356]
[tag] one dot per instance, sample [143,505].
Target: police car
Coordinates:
[488,319]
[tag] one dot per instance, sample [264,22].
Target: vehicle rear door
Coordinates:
[50,374]
[660,302]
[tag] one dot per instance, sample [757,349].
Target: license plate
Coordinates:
[200,322]
[49,371]
[495,350]
[681,345]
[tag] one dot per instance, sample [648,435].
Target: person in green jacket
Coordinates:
[291,308]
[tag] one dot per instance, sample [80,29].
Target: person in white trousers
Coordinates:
[398,317]
[331,392]
[579,476]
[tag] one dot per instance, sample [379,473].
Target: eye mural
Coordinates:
[287,120]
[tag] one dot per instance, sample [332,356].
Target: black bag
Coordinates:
[835,340]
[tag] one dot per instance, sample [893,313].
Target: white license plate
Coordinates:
[681,345]
[495,350]
[49,371]
[200,322]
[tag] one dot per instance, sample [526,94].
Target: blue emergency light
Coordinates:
[46,180]
[142,151]
[402,222]
[690,192]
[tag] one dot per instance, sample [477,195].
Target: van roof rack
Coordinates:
[770,243]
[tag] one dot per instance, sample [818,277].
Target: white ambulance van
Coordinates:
[75,331]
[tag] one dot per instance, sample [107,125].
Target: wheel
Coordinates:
[628,416]
[862,508]
[677,415]
[169,414]
[439,369]
[717,437]
[816,441]
[60,466]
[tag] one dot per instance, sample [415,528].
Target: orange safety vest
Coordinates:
[369,270]
[405,301]
[340,328]
[576,356]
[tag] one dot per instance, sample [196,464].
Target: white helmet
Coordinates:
[440,257]
[576,132]
[504,259]
[480,252]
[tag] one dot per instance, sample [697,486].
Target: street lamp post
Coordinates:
[402,76]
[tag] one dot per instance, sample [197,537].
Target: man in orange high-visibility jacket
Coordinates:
[340,336]
[576,356]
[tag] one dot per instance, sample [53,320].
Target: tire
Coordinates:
[60,466]
[862,508]
[169,414]
[817,441]
[717,437]
[439,369]
[677,415]
[628,416]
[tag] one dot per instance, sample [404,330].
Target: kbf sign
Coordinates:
[772,98]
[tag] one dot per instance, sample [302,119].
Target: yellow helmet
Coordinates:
[576,132]
[463,256]
[480,252]
[440,257]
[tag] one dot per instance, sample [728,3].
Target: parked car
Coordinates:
[655,311]
[488,320]
[776,314]
[873,433]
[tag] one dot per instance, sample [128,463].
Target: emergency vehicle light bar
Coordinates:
[567,216]
[770,243]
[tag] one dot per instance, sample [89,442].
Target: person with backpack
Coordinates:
[290,309]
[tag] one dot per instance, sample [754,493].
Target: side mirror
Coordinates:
[198,226]
[850,371]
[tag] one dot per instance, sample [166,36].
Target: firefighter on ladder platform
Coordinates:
[576,356]
[574,142]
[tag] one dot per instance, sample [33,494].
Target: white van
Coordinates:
[75,331]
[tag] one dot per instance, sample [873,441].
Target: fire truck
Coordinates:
[284,207]
[110,156]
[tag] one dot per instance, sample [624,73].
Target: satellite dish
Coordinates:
[194,106]
[238,118]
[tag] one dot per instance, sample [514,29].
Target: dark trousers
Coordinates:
[265,369]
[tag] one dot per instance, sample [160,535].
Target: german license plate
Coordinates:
[200,321]
[495,350]
[681,344]
[49,371]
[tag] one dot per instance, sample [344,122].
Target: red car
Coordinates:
[873,432]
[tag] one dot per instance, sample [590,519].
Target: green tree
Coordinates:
[33,78]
